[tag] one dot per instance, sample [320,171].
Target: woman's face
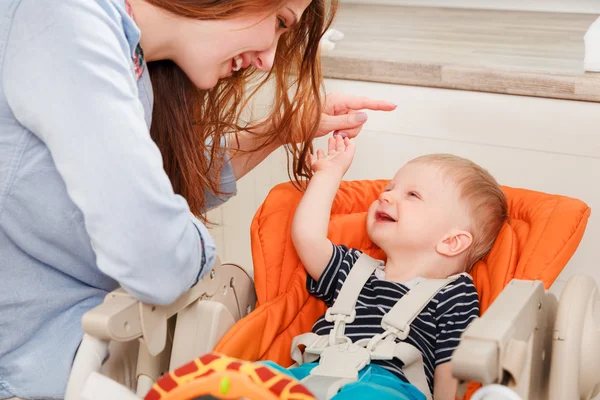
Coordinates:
[211,50]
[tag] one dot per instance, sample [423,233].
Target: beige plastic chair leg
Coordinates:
[150,368]
[201,325]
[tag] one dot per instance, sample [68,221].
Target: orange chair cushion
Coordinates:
[543,233]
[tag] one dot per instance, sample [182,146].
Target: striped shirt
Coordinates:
[436,330]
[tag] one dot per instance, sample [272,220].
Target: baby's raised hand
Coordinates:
[339,156]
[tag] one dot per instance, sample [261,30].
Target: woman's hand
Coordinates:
[341,113]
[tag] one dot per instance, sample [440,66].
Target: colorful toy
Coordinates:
[227,378]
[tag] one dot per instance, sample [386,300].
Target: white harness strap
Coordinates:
[404,312]
[343,310]
[360,272]
[341,360]
[340,313]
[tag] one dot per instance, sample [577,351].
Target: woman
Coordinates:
[85,203]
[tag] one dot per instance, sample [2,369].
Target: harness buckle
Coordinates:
[322,343]
[344,360]
[347,319]
[401,332]
[336,335]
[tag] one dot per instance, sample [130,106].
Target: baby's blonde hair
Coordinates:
[486,202]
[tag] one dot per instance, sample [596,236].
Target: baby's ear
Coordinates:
[454,243]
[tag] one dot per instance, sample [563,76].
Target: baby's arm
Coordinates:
[445,384]
[311,221]
[458,306]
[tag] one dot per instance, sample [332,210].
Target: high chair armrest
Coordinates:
[123,318]
[507,344]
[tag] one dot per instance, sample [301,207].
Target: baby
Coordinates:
[436,218]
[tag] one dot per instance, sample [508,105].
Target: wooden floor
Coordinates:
[516,52]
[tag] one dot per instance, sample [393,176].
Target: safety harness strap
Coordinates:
[343,310]
[360,272]
[308,340]
[404,312]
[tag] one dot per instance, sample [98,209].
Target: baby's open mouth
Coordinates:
[383,217]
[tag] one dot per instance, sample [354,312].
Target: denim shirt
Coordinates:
[85,204]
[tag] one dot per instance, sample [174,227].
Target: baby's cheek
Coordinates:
[372,208]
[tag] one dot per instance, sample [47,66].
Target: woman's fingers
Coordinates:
[343,122]
[349,102]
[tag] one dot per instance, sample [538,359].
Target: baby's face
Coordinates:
[414,212]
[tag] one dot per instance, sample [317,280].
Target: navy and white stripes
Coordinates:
[435,332]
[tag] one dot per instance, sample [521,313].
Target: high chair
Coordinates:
[526,343]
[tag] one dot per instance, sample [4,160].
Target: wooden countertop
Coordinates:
[512,52]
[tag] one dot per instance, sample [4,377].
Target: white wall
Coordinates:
[541,144]
[576,6]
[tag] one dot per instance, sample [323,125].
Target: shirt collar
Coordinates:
[132,31]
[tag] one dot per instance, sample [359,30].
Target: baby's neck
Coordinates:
[406,266]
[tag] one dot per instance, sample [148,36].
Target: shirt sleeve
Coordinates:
[69,79]
[334,275]
[457,307]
